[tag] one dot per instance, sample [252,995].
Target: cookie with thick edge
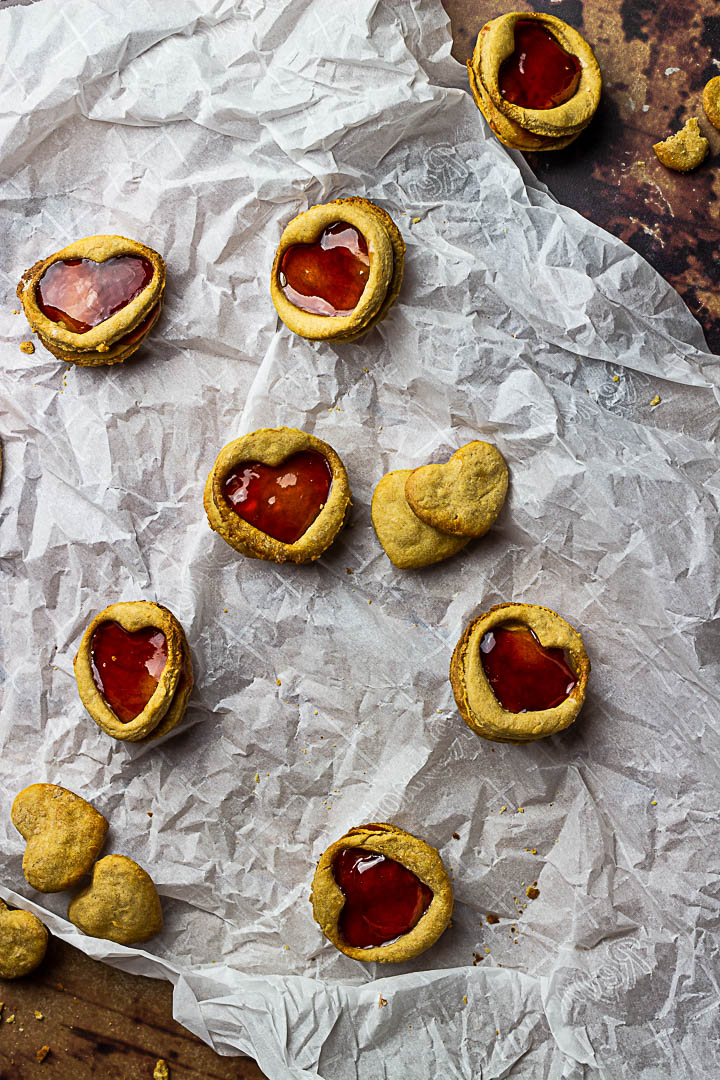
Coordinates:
[168,703]
[386,249]
[120,335]
[327,898]
[120,904]
[464,495]
[271,446]
[479,707]
[63,832]
[23,942]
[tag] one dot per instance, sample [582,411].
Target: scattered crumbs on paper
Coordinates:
[39,1015]
[42,1053]
[278,682]
[315,712]
[477,958]
[502,809]
[366,370]
[348,570]
[487,948]
[492,918]
[225,611]
[415,220]
[304,751]
[653,802]
[465,999]
[16,311]
[616,378]
[532,892]
[369,601]
[161,1070]
[257,777]
[456,836]
[149,813]
[533,851]
[27,347]
[521,809]
[655,401]
[380,428]
[381,1002]
[286,948]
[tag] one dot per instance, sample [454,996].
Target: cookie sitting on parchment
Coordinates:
[120,904]
[64,835]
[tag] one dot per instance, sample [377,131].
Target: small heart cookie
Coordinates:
[121,903]
[23,941]
[408,542]
[464,496]
[64,835]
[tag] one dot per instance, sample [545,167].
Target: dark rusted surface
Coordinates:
[655,56]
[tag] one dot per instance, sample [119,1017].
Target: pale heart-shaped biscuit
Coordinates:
[121,903]
[64,835]
[464,496]
[23,941]
[408,541]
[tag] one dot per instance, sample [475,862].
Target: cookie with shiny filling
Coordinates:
[381,895]
[95,301]
[337,270]
[278,494]
[134,670]
[519,672]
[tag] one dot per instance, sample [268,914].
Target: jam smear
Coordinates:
[327,277]
[539,74]
[523,674]
[82,293]
[280,500]
[127,666]
[383,899]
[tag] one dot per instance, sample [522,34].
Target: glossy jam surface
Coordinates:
[81,293]
[327,277]
[280,500]
[539,74]
[383,899]
[127,666]
[523,674]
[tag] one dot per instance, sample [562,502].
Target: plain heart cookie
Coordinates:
[121,903]
[408,542]
[465,495]
[64,835]
[23,941]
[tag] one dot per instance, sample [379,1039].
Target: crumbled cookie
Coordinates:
[684,150]
[64,835]
[463,496]
[711,101]
[23,941]
[408,542]
[121,903]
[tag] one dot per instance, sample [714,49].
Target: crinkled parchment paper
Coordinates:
[322,695]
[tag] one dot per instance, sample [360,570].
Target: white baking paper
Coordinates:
[322,695]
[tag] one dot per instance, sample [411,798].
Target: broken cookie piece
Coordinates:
[685,150]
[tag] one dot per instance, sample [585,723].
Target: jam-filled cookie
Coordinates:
[134,670]
[278,494]
[337,270]
[23,942]
[535,79]
[95,301]
[63,832]
[519,672]
[381,895]
[120,904]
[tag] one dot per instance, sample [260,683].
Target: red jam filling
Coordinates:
[81,293]
[280,500]
[539,74]
[523,674]
[127,666]
[327,277]
[383,899]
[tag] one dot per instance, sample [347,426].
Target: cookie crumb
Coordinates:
[257,777]
[456,836]
[502,809]
[381,1002]
[42,1053]
[465,999]
[655,401]
[10,1019]
[149,813]
[616,378]
[532,893]
[39,1015]
[653,802]
[278,682]
[16,311]
[521,809]
[492,918]
[27,347]
[161,1070]
[415,220]
[348,570]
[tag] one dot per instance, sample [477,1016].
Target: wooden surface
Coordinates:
[655,57]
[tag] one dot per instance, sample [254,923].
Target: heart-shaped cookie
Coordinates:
[464,496]
[121,903]
[23,941]
[408,542]
[64,835]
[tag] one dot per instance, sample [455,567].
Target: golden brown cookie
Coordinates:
[464,495]
[134,670]
[278,494]
[64,835]
[337,270]
[121,903]
[408,542]
[519,672]
[535,79]
[23,941]
[95,301]
[381,895]
[711,101]
[684,150]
